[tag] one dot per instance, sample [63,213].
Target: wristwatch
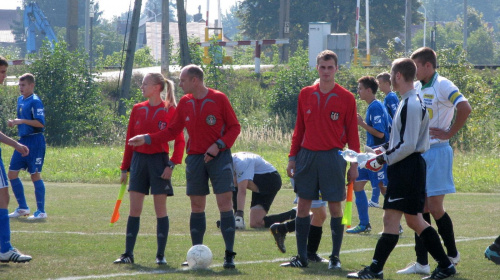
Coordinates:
[171,165]
[219,145]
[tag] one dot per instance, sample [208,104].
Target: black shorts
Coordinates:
[219,170]
[145,172]
[269,184]
[406,188]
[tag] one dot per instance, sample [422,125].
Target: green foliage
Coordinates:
[74,111]
[142,58]
[289,81]
[8,105]
[214,76]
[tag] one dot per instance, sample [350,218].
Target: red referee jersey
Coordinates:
[325,120]
[145,118]
[206,120]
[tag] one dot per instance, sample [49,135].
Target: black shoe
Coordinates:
[316,258]
[366,273]
[279,237]
[295,262]
[125,258]
[160,260]
[442,273]
[334,263]
[185,263]
[229,260]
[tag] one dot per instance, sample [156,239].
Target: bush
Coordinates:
[73,106]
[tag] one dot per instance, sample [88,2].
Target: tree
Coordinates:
[183,39]
[155,6]
[230,22]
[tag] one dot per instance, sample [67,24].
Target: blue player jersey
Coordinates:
[378,118]
[30,108]
[391,102]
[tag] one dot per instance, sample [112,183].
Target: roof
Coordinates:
[7,17]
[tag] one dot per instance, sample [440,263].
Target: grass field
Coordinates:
[76,241]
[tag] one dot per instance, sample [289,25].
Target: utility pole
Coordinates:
[408,27]
[165,38]
[129,60]
[284,32]
[87,26]
[72,23]
[465,25]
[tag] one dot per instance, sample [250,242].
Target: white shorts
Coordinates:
[439,161]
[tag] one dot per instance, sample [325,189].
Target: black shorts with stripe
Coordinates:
[269,184]
[145,173]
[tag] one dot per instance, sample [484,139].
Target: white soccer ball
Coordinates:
[199,257]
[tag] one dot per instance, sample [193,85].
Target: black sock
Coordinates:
[279,218]
[432,242]
[162,227]
[227,226]
[197,226]
[133,224]
[385,245]
[420,250]
[314,239]
[445,229]
[301,233]
[290,226]
[337,235]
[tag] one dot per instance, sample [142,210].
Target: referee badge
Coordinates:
[211,120]
[162,125]
[334,116]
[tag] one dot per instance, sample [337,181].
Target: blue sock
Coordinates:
[301,234]
[18,190]
[227,227]
[40,195]
[362,204]
[375,193]
[5,245]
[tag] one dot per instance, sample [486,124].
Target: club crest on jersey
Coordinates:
[211,120]
[162,125]
[334,116]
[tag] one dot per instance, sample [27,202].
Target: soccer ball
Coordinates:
[199,257]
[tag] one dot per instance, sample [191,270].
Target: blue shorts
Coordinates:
[317,203]
[34,161]
[320,171]
[374,177]
[219,170]
[3,176]
[439,160]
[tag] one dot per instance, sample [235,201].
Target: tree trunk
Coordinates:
[165,38]
[183,40]
[72,23]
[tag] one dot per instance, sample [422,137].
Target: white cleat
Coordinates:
[239,222]
[14,256]
[416,268]
[19,213]
[38,216]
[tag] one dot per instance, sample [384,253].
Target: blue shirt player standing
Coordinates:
[30,123]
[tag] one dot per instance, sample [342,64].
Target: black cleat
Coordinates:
[366,273]
[334,263]
[229,260]
[316,258]
[295,262]
[124,258]
[442,273]
[279,237]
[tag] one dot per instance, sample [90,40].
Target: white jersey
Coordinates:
[440,96]
[246,165]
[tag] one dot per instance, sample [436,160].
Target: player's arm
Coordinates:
[33,123]
[369,128]
[463,111]
[298,135]
[22,149]
[351,124]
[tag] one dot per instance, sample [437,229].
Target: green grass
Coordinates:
[76,241]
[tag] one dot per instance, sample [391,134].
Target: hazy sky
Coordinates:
[112,8]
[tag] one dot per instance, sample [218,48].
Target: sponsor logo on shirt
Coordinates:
[377,119]
[334,116]
[39,112]
[211,120]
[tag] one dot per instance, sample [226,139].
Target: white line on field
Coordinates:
[240,263]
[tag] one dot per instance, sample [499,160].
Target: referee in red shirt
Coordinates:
[212,127]
[326,122]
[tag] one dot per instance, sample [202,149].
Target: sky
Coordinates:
[112,8]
